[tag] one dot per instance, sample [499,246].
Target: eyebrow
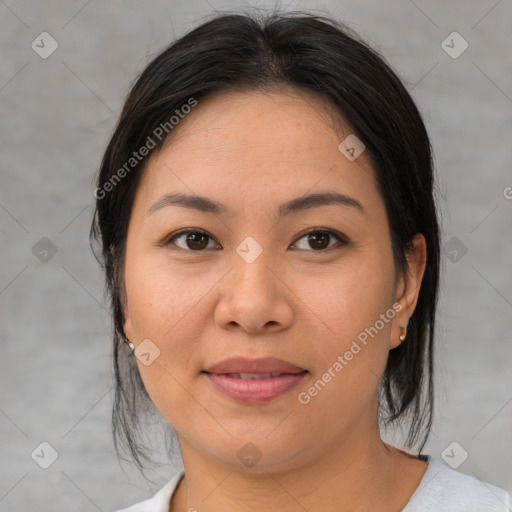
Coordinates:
[301,203]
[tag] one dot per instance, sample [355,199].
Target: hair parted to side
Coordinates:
[315,54]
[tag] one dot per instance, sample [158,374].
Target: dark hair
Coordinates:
[314,54]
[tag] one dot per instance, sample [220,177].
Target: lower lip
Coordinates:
[255,391]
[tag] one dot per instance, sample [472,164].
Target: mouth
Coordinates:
[255,388]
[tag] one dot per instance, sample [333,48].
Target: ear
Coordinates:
[408,288]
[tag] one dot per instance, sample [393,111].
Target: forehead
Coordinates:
[250,145]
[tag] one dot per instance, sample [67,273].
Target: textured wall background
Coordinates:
[56,116]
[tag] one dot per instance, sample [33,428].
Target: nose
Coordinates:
[254,297]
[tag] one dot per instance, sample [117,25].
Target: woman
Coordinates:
[271,246]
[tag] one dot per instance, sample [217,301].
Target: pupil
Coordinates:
[193,238]
[313,237]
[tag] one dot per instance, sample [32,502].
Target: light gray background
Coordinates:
[56,117]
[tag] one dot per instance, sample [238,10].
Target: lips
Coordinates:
[255,381]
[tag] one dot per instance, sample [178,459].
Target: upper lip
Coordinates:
[261,365]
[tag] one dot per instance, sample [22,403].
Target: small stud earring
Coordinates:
[403,334]
[130,344]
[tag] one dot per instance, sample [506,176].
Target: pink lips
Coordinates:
[249,388]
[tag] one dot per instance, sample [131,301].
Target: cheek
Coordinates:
[351,296]
[355,313]
[161,297]
[165,307]
[169,306]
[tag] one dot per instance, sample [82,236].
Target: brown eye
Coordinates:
[319,240]
[191,240]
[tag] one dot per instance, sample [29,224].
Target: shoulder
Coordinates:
[159,502]
[444,489]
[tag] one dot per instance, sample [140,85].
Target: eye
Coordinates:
[319,239]
[194,240]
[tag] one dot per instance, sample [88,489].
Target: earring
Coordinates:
[130,344]
[403,334]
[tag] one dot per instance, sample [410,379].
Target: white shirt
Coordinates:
[441,489]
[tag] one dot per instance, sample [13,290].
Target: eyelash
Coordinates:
[340,237]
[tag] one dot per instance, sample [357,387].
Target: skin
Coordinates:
[253,151]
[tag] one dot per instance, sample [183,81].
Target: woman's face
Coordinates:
[250,283]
